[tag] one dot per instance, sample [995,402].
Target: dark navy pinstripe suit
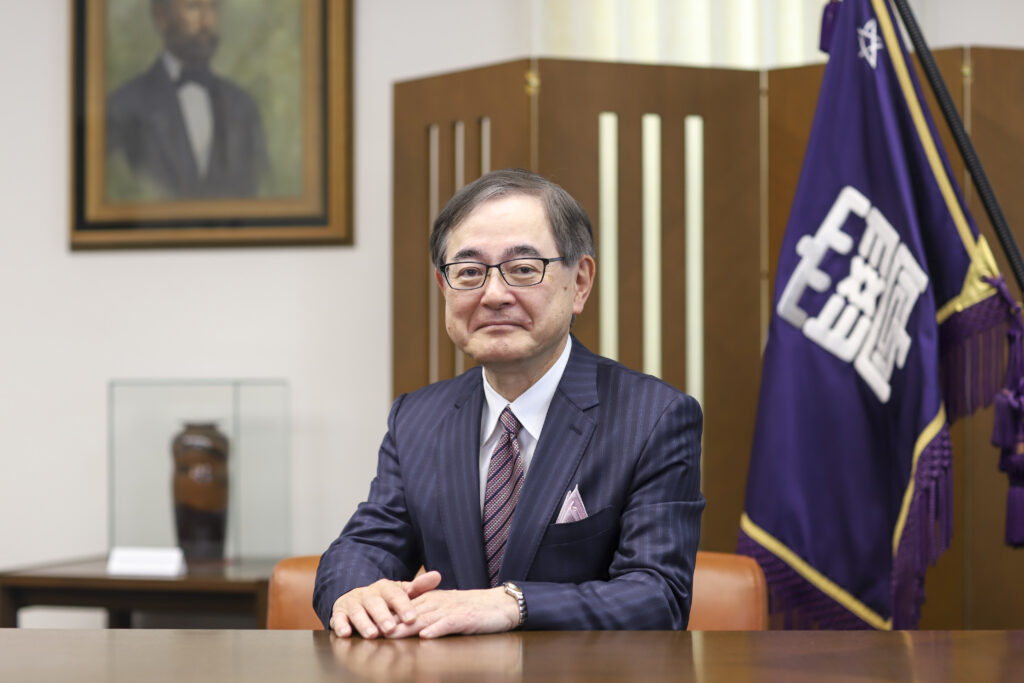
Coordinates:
[631,443]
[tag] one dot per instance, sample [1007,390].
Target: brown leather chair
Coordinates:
[290,596]
[729,594]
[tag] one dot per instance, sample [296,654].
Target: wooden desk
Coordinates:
[238,587]
[254,656]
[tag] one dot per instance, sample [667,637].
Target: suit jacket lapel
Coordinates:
[459,461]
[567,431]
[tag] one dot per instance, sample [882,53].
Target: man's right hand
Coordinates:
[377,609]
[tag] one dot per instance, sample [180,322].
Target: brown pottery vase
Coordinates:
[200,485]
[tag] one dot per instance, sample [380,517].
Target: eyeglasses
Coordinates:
[517,272]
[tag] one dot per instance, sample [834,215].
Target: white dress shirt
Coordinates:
[531,409]
[197,110]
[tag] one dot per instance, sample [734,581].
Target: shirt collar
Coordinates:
[531,408]
[173,66]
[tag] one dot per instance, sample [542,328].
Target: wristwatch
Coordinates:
[517,593]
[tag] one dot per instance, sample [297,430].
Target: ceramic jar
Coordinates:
[200,486]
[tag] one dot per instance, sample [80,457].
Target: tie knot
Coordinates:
[200,75]
[509,421]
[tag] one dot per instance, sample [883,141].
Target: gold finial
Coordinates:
[532,82]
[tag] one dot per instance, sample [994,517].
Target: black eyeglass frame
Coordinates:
[487,271]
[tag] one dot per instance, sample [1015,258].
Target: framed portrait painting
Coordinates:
[210,123]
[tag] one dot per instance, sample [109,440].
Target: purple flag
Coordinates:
[890,320]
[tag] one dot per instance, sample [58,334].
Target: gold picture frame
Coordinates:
[276,161]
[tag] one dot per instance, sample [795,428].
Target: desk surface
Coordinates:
[253,656]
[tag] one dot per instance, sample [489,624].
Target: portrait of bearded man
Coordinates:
[184,130]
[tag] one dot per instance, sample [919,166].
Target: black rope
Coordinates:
[963,143]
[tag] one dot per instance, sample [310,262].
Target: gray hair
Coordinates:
[569,222]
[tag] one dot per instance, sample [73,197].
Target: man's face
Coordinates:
[513,329]
[189,28]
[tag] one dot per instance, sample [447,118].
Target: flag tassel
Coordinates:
[1008,436]
[928,530]
[1008,424]
[974,345]
[794,602]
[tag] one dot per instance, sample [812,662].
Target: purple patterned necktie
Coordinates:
[504,481]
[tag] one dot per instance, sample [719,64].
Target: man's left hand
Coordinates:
[444,612]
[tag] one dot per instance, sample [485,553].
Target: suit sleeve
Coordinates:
[378,542]
[650,577]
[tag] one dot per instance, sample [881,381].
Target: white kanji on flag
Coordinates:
[864,320]
[888,342]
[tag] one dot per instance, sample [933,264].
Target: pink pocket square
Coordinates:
[573,509]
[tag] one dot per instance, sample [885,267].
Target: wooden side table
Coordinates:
[230,587]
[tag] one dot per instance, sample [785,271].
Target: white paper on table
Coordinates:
[146,561]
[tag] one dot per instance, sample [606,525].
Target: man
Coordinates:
[183,131]
[547,488]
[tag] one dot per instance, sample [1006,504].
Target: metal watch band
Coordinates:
[517,593]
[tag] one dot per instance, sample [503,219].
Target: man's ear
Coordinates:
[585,270]
[440,280]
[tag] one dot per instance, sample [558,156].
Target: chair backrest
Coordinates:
[729,594]
[290,594]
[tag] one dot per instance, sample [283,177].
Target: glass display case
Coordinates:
[202,464]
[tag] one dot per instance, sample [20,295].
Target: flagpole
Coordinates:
[963,143]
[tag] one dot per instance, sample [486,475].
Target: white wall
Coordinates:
[318,316]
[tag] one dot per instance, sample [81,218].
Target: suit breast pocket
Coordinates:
[577,551]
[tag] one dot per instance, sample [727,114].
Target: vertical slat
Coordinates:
[651,240]
[446,165]
[436,303]
[459,155]
[608,231]
[485,145]
[673,253]
[695,289]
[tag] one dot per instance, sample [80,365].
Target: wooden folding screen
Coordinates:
[543,115]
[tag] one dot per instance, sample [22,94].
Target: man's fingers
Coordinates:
[406,630]
[444,625]
[380,611]
[424,583]
[383,608]
[394,594]
[374,610]
[362,623]
[424,619]
[340,625]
